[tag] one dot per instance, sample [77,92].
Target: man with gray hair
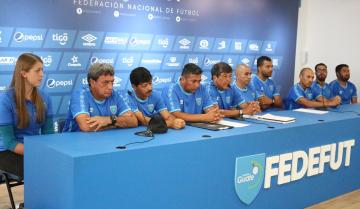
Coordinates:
[98,106]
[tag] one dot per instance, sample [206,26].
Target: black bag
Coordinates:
[157,124]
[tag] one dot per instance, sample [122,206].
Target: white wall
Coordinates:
[329,32]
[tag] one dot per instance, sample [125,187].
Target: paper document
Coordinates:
[232,123]
[271,118]
[312,111]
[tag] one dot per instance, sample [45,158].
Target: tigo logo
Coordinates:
[62,39]
[47,60]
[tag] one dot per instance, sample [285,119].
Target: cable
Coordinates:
[131,143]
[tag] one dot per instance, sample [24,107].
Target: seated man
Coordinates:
[266,90]
[98,106]
[241,85]
[300,95]
[145,102]
[342,86]
[190,100]
[229,101]
[319,88]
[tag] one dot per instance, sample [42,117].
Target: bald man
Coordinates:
[300,95]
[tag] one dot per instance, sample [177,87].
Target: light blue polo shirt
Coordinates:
[83,102]
[177,100]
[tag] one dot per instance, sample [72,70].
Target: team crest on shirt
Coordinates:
[309,95]
[198,101]
[181,101]
[227,99]
[113,109]
[91,110]
[150,107]
[271,87]
[340,92]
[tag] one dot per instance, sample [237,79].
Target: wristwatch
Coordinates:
[113,119]
[241,113]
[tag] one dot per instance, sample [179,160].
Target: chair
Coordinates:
[11,181]
[59,125]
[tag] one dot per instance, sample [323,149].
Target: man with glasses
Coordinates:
[98,106]
[320,89]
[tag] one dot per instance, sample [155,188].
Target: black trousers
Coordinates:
[12,163]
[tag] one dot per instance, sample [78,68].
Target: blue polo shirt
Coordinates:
[177,100]
[227,98]
[83,102]
[152,105]
[318,90]
[346,93]
[295,94]
[247,93]
[264,88]
[9,115]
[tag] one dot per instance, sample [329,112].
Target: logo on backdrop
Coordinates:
[255,171]
[249,176]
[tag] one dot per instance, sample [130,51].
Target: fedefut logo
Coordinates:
[89,40]
[256,171]
[249,176]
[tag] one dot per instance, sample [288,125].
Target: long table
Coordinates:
[297,165]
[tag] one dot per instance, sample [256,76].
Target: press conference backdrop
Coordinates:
[162,35]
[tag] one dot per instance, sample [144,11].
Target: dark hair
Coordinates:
[320,64]
[98,69]
[220,67]
[260,61]
[191,68]
[339,67]
[140,75]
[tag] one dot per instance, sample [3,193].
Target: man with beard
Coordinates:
[266,90]
[300,95]
[320,89]
[342,86]
[145,102]
[189,100]
[229,101]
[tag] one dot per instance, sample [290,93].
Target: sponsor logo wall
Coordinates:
[81,40]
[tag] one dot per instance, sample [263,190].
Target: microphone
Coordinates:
[148,132]
[242,118]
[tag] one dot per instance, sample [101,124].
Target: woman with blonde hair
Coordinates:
[25,110]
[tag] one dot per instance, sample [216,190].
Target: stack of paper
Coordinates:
[272,118]
[233,124]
